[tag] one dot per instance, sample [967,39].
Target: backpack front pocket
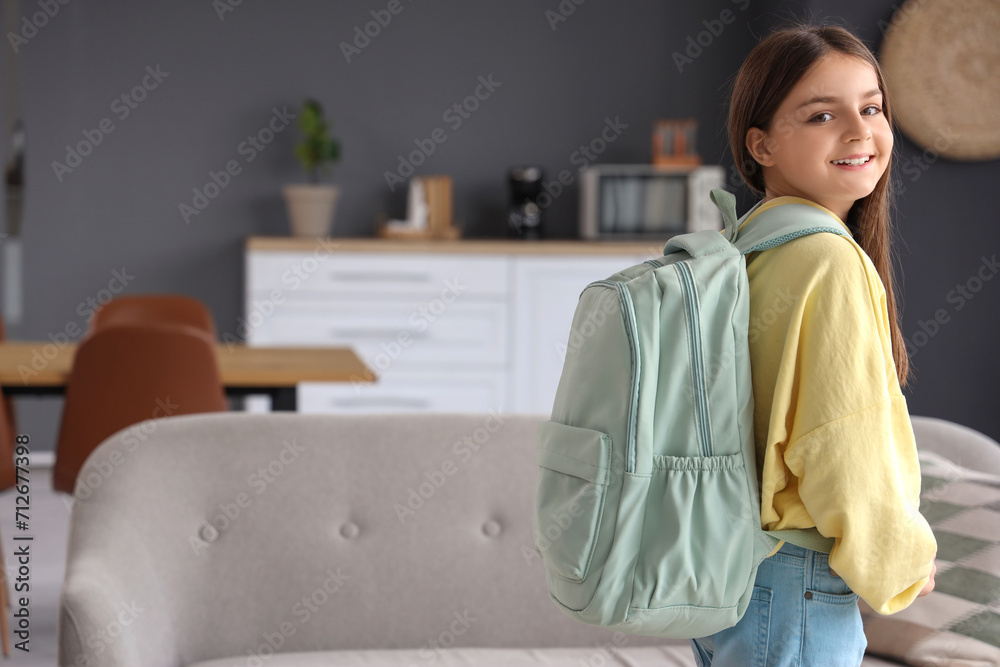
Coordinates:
[698,532]
[574,467]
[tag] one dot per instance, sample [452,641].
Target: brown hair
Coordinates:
[763,82]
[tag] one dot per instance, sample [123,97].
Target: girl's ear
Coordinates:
[759,146]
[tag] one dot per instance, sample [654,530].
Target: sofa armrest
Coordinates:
[102,625]
[965,446]
[113,609]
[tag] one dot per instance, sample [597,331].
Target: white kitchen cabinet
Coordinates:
[403,391]
[480,326]
[546,291]
[394,332]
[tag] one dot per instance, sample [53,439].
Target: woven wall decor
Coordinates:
[941,60]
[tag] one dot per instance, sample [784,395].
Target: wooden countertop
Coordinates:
[651,248]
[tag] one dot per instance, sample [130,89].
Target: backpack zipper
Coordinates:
[628,318]
[694,333]
[630,328]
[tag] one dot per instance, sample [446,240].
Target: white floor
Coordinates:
[48,520]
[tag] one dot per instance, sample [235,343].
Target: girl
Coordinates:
[809,123]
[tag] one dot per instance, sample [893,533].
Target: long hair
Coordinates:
[763,82]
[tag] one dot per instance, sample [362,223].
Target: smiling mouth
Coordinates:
[853,162]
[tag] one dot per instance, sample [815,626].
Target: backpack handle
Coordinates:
[707,241]
[726,203]
[698,244]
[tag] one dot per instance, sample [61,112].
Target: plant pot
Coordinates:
[311,208]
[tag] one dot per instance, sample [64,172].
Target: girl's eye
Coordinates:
[874,109]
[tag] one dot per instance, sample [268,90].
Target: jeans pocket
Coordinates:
[826,586]
[760,604]
[834,633]
[833,598]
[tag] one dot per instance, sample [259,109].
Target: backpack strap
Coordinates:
[773,227]
[768,230]
[808,538]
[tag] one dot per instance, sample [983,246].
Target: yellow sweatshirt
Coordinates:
[834,444]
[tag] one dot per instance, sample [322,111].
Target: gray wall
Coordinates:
[119,209]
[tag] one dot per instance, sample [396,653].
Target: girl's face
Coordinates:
[833,113]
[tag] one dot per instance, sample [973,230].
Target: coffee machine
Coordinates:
[524,215]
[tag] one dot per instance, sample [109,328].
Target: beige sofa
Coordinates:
[284,539]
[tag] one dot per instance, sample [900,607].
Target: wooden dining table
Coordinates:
[39,368]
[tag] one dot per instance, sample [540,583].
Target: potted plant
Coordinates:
[311,206]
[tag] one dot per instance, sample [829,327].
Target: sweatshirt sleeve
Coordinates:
[850,444]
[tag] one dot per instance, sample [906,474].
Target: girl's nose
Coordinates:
[858,129]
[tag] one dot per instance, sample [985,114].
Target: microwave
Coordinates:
[645,201]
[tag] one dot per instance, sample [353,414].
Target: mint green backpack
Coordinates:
[647,510]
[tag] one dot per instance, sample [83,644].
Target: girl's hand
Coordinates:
[929,586]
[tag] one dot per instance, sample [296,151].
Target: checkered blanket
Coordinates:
[959,622]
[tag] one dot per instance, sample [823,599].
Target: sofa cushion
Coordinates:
[674,655]
[678,655]
[958,623]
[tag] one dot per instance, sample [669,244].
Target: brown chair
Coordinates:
[126,373]
[8,438]
[154,309]
[10,424]
[8,479]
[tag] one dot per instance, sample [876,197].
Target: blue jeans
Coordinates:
[799,614]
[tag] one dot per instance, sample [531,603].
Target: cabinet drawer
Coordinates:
[408,392]
[391,334]
[366,275]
